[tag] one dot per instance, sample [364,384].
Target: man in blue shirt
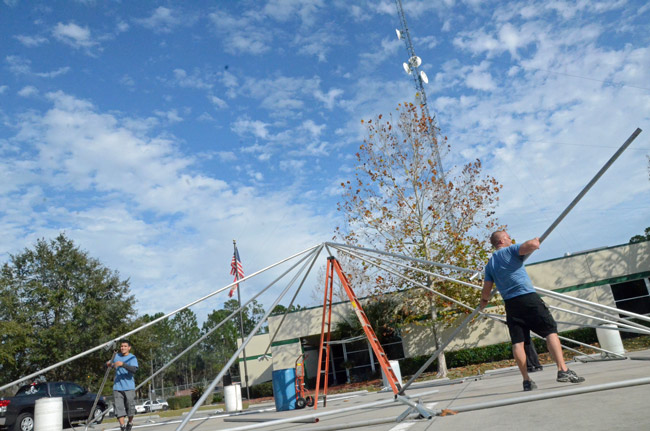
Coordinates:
[125,364]
[525,310]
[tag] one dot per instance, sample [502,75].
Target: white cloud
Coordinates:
[328,99]
[171,116]
[3,88]
[282,96]
[28,91]
[219,103]
[153,217]
[388,48]
[318,42]
[479,78]
[283,10]
[205,117]
[74,35]
[31,41]
[550,126]
[23,66]
[256,128]
[191,81]
[242,34]
[292,165]
[122,27]
[226,156]
[127,81]
[314,129]
[162,20]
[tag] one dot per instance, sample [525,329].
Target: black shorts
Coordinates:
[527,313]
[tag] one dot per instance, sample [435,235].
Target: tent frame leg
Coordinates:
[413,407]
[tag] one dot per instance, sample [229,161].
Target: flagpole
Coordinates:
[241,328]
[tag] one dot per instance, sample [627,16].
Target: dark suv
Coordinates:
[17,412]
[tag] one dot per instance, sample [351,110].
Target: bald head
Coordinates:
[500,239]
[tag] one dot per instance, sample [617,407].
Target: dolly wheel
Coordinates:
[310,401]
[300,403]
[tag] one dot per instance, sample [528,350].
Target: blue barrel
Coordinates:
[284,389]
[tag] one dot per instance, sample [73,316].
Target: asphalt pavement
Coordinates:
[614,396]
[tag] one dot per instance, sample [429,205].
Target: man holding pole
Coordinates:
[525,310]
[125,364]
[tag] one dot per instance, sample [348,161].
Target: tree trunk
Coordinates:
[442,361]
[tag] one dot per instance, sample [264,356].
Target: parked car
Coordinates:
[17,412]
[139,408]
[155,405]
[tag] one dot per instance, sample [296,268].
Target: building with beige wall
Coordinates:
[616,276]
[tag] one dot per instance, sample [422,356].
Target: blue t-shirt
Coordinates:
[124,379]
[506,269]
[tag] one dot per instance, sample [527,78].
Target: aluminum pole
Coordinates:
[451,337]
[413,259]
[591,183]
[210,388]
[568,298]
[325,413]
[146,325]
[600,319]
[595,304]
[207,334]
[548,395]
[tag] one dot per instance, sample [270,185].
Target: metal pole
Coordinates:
[568,299]
[246,419]
[282,321]
[364,423]
[241,329]
[548,395]
[464,305]
[448,298]
[210,388]
[207,334]
[413,259]
[595,304]
[99,393]
[442,347]
[327,413]
[600,319]
[146,325]
[502,320]
[591,183]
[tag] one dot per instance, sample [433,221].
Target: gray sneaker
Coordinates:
[569,376]
[529,385]
[129,426]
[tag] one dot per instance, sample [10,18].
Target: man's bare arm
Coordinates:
[529,246]
[485,293]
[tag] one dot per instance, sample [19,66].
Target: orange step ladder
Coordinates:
[333,266]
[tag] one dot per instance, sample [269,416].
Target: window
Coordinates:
[75,389]
[34,389]
[633,296]
[58,389]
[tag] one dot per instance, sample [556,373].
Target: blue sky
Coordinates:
[155,133]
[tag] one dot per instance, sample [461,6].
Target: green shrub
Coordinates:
[261,390]
[217,397]
[493,353]
[182,402]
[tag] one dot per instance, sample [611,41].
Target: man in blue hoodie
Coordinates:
[125,364]
[525,310]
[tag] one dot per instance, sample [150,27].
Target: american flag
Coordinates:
[236,269]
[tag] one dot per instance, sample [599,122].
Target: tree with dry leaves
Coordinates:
[398,202]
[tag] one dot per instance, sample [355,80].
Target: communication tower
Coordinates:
[412,67]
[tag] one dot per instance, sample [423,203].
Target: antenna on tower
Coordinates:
[419,78]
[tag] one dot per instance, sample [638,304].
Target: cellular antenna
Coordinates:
[419,78]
